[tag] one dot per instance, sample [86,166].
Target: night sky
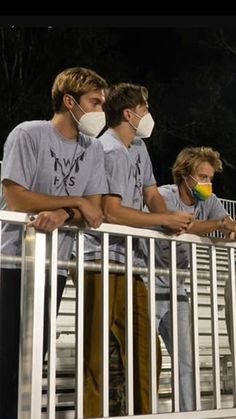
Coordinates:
[188,65]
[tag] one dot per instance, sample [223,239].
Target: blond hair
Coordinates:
[75,81]
[189,159]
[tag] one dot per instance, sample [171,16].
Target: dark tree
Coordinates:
[190,74]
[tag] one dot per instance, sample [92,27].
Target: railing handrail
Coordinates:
[114,229]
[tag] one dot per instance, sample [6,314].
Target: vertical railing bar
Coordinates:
[215,329]
[174,321]
[52,310]
[21,337]
[129,329]
[194,298]
[32,325]
[233,317]
[79,324]
[1,243]
[152,313]
[105,322]
[37,358]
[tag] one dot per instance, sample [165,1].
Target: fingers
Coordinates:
[45,221]
[95,222]
[232,235]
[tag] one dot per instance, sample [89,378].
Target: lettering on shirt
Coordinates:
[66,169]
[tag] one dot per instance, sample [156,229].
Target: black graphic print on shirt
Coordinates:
[135,172]
[66,169]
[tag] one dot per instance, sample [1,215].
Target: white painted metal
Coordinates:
[232,277]
[105,323]
[129,329]
[32,332]
[194,305]
[215,329]
[79,325]
[152,313]
[52,309]
[174,316]
[34,402]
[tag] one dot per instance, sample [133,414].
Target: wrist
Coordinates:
[79,203]
[70,214]
[221,223]
[162,220]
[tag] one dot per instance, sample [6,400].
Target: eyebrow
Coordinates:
[204,175]
[96,99]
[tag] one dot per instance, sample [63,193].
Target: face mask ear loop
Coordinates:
[72,97]
[75,119]
[134,113]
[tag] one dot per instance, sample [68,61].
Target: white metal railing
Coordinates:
[34,263]
[230,207]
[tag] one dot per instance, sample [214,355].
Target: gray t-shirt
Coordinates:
[128,171]
[40,159]
[212,208]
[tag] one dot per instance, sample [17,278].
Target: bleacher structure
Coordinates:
[66,345]
[66,341]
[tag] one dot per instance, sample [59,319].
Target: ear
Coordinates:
[127,114]
[68,101]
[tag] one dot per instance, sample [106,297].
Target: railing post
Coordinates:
[152,313]
[129,329]
[31,325]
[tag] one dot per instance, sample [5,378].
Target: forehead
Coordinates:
[204,168]
[95,95]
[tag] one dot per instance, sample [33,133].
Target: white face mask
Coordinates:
[91,123]
[145,126]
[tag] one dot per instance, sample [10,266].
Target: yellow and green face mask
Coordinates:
[202,191]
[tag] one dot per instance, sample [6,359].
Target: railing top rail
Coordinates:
[228,200]
[114,229]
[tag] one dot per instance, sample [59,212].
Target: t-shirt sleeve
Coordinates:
[216,209]
[97,183]
[149,178]
[116,172]
[19,158]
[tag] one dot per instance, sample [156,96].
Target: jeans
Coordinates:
[184,348]
[228,304]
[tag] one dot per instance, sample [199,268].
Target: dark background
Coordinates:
[190,73]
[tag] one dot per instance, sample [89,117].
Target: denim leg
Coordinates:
[228,303]
[185,351]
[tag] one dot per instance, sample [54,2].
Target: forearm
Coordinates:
[133,218]
[205,226]
[20,199]
[157,205]
[154,200]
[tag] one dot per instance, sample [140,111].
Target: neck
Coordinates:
[123,135]
[63,124]
[185,195]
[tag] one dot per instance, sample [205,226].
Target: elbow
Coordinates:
[15,207]
[11,205]
[109,216]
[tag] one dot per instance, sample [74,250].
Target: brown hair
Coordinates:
[120,97]
[190,157]
[75,81]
